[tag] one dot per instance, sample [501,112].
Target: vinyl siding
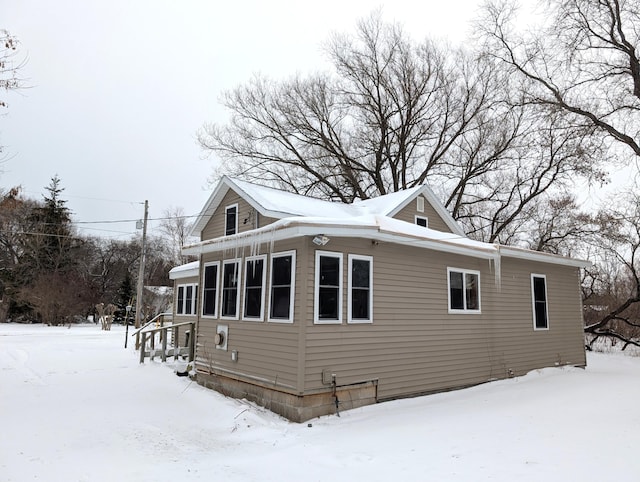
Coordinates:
[415,346]
[268,352]
[409,213]
[215,227]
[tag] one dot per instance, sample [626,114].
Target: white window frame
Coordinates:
[194,304]
[204,287]
[350,318]
[546,301]
[426,220]
[247,260]
[225,262]
[464,310]
[292,293]
[226,209]
[316,291]
[420,203]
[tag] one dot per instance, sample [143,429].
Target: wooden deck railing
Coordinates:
[168,338]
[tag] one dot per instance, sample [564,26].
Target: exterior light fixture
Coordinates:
[320,240]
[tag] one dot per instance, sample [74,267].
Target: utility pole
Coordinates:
[141,271]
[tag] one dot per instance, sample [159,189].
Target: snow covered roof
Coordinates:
[375,227]
[185,270]
[279,204]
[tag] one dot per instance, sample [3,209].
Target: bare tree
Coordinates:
[175,227]
[396,114]
[9,63]
[612,288]
[582,61]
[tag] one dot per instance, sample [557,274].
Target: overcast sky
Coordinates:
[118,89]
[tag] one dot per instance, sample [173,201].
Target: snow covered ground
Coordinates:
[76,406]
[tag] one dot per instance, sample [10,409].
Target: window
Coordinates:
[231,220]
[230,283]
[328,288]
[187,299]
[420,204]
[254,277]
[464,290]
[360,299]
[539,295]
[210,289]
[283,269]
[422,221]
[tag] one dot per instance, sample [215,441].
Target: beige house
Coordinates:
[308,306]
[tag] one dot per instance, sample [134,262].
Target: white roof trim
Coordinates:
[540,257]
[379,228]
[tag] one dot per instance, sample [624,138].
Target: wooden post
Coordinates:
[176,344]
[164,346]
[192,342]
[144,339]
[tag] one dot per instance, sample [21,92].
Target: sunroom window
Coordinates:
[360,299]
[254,278]
[230,288]
[328,287]
[283,268]
[210,289]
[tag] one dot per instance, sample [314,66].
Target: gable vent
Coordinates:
[420,204]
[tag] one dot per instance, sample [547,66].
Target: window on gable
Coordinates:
[283,268]
[464,290]
[187,299]
[328,287]
[422,221]
[539,298]
[254,278]
[210,289]
[230,287]
[231,220]
[360,299]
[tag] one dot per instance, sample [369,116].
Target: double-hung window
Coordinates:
[210,289]
[187,299]
[254,278]
[230,288]
[539,299]
[231,219]
[464,290]
[328,288]
[283,269]
[360,289]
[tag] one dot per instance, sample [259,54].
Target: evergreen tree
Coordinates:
[52,241]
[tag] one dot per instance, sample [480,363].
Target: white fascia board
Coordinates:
[511,252]
[368,232]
